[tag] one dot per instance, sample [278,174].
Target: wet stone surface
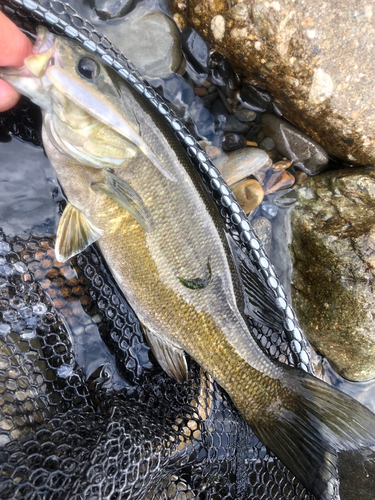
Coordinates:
[333,252]
[292,50]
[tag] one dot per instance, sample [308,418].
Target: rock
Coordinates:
[295,145]
[269,209]
[232,142]
[234,125]
[249,194]
[196,49]
[314,57]
[253,132]
[263,229]
[111,9]
[200,91]
[245,115]
[300,176]
[152,43]
[242,163]
[267,144]
[278,180]
[333,249]
[283,164]
[255,98]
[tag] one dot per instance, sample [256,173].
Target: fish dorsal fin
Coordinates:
[123,194]
[170,358]
[259,301]
[74,234]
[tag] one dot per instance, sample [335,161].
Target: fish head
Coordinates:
[88,110]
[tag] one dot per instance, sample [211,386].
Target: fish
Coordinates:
[132,189]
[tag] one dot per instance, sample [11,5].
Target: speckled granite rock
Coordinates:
[333,249]
[314,57]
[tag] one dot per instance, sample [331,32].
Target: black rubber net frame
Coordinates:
[65,437]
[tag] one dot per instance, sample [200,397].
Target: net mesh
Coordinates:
[67,433]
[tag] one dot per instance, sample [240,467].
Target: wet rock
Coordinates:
[333,249]
[221,72]
[267,144]
[249,194]
[283,164]
[300,176]
[269,209]
[245,115]
[263,229]
[242,163]
[111,9]
[200,91]
[232,142]
[152,43]
[314,58]
[278,180]
[196,49]
[234,125]
[253,132]
[295,145]
[255,99]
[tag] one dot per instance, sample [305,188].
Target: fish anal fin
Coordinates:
[170,358]
[124,195]
[74,234]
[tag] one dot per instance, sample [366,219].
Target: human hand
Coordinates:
[14,47]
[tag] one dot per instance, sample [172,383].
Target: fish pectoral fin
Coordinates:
[74,234]
[259,301]
[170,358]
[197,283]
[125,196]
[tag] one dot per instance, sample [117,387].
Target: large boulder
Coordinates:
[333,253]
[315,57]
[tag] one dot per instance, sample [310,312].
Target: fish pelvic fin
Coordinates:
[74,233]
[307,427]
[125,196]
[171,358]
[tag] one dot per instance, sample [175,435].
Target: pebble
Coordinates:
[255,99]
[242,163]
[225,101]
[234,125]
[213,152]
[253,132]
[221,72]
[295,145]
[282,165]
[218,109]
[267,144]
[232,142]
[208,99]
[200,91]
[245,115]
[269,209]
[152,43]
[249,194]
[300,176]
[279,180]
[112,9]
[196,49]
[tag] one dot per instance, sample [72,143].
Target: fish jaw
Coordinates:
[30,79]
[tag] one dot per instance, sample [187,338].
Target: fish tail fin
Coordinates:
[308,425]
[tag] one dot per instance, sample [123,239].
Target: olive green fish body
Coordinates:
[132,188]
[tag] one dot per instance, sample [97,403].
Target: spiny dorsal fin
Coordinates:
[170,358]
[123,194]
[259,301]
[74,234]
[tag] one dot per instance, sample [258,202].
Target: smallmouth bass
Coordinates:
[132,188]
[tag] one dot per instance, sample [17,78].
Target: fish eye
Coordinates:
[88,68]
